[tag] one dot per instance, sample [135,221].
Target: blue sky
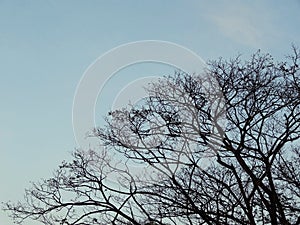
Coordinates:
[45,47]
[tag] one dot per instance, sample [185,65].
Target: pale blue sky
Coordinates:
[45,47]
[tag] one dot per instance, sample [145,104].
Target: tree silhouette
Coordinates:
[220,148]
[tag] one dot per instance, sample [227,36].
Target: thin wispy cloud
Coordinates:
[242,22]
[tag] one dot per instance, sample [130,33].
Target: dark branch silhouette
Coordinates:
[241,118]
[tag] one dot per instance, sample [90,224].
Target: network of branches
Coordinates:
[217,148]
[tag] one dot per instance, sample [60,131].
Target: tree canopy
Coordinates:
[216,148]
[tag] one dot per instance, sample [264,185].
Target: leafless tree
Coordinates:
[220,148]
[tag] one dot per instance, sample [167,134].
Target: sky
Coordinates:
[47,46]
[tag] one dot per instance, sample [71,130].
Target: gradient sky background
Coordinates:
[45,47]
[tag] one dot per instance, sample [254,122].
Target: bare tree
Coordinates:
[244,124]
